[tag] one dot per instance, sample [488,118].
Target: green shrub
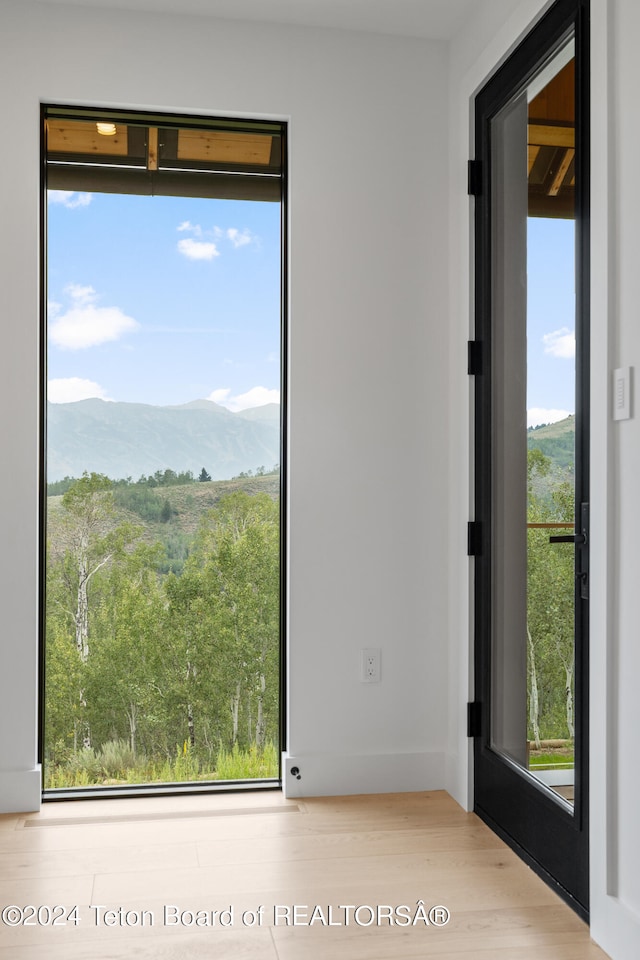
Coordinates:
[115,758]
[83,761]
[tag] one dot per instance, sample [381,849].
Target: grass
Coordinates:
[251,764]
[551,760]
[114,764]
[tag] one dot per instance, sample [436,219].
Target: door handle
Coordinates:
[582,557]
[579,538]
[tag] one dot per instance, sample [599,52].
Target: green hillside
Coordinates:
[170,515]
[556,441]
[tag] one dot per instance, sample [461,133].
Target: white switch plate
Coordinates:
[622,393]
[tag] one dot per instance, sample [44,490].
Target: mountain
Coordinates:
[556,441]
[268,411]
[130,439]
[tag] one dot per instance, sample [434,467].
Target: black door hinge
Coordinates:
[474,178]
[474,719]
[473,538]
[474,357]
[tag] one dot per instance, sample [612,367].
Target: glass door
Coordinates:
[531,452]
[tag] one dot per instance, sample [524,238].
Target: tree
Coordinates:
[90,537]
[153,658]
[63,675]
[550,607]
[204,476]
[246,568]
[126,679]
[224,615]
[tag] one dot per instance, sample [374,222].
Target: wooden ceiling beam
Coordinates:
[152,148]
[551,135]
[561,173]
[533,156]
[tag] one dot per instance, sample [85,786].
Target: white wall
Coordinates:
[616,661]
[368,321]
[615,468]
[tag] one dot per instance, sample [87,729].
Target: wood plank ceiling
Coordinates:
[551,143]
[157,148]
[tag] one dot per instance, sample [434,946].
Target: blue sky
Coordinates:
[550,320]
[163,300]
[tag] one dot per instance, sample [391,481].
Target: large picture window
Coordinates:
[162,451]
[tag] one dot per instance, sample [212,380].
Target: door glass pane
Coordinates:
[533,426]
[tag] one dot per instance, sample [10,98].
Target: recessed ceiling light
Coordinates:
[106,129]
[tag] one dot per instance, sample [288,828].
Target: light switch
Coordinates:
[622,393]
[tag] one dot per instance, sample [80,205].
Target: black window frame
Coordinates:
[220,183]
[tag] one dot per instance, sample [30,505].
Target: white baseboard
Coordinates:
[615,927]
[331,775]
[20,790]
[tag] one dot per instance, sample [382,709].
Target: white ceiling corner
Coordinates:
[436,19]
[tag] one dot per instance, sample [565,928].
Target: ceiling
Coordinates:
[126,152]
[436,19]
[551,147]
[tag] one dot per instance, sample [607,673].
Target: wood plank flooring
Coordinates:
[134,866]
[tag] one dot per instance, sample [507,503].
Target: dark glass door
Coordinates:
[532,500]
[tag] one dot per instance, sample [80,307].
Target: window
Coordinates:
[162,622]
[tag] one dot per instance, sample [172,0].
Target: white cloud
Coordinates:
[87,325]
[538,415]
[219,396]
[69,198]
[239,239]
[560,343]
[71,389]
[197,249]
[204,246]
[256,397]
[194,228]
[81,295]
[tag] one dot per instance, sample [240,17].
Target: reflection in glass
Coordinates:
[533,426]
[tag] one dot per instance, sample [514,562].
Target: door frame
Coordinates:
[550,838]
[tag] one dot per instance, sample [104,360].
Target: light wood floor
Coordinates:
[242,851]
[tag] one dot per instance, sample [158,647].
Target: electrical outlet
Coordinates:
[370,665]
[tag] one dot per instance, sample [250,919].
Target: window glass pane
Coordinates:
[162,642]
